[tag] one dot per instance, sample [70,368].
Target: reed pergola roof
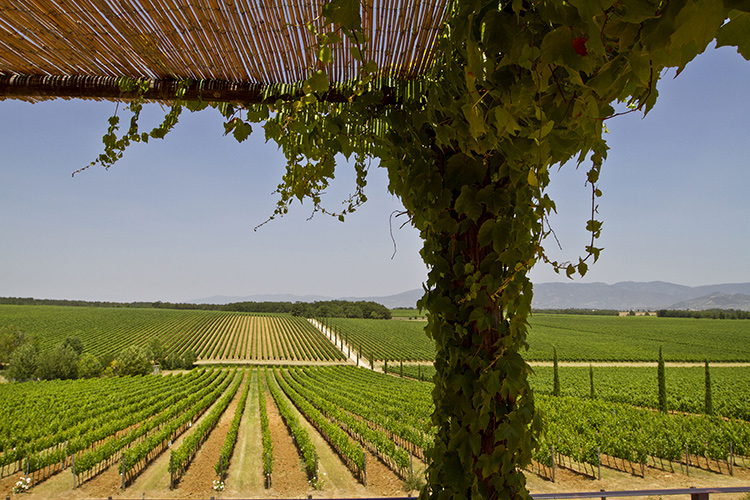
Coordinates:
[232,49]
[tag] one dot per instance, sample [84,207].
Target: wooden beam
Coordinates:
[37,88]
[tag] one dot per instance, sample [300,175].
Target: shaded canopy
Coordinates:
[232,49]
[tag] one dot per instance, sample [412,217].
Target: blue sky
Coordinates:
[174,219]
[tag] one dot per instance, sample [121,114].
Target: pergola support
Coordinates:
[39,88]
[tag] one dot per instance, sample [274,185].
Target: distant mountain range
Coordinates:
[622,296]
[652,295]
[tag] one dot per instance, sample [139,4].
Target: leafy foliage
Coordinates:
[133,361]
[58,363]
[23,362]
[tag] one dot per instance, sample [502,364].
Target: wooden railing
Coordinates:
[695,494]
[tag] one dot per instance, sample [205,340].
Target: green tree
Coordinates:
[513,90]
[89,366]
[661,378]
[156,350]
[188,359]
[58,363]
[106,359]
[23,362]
[8,337]
[173,362]
[11,338]
[74,343]
[133,361]
[592,393]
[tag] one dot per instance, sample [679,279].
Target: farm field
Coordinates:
[230,336]
[384,339]
[637,385]
[212,335]
[637,338]
[576,337]
[357,433]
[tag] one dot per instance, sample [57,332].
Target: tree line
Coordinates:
[581,312]
[329,309]
[705,314]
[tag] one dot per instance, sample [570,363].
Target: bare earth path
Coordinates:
[245,477]
[288,478]
[197,482]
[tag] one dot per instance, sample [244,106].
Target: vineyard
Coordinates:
[637,386]
[212,335]
[233,336]
[381,340]
[375,424]
[636,338]
[577,338]
[295,416]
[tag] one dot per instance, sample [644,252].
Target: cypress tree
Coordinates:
[591,381]
[662,380]
[402,369]
[555,374]
[709,395]
[385,367]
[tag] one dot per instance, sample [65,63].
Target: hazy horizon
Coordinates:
[174,219]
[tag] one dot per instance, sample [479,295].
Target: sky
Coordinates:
[174,220]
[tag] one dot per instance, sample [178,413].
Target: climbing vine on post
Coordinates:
[515,89]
